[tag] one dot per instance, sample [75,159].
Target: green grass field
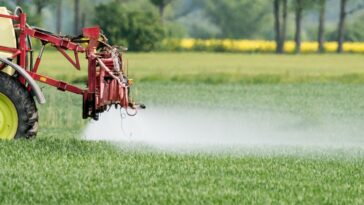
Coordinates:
[60,168]
[219,68]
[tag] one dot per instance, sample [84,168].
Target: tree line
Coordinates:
[232,19]
[299,6]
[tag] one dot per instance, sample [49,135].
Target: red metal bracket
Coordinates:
[60,85]
[76,63]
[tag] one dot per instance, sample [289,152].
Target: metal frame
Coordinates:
[107,83]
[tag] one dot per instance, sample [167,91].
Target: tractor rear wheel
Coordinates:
[18,112]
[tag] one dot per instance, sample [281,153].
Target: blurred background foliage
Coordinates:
[132,28]
[143,25]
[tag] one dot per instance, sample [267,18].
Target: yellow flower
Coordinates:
[232,45]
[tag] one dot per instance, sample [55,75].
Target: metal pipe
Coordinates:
[41,52]
[109,71]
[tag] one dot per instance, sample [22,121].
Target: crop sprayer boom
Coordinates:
[107,83]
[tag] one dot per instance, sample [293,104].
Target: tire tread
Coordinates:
[25,106]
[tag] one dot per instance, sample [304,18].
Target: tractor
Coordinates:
[107,82]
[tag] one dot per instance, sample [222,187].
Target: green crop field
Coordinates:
[322,92]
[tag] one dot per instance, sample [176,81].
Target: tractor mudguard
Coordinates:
[37,91]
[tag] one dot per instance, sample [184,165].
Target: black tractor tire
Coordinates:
[24,104]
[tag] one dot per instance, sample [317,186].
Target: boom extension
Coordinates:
[107,82]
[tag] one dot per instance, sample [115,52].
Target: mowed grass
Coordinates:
[60,168]
[220,68]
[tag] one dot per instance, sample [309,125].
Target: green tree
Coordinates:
[59,11]
[77,17]
[321,26]
[344,12]
[39,7]
[161,4]
[238,18]
[4,3]
[34,18]
[41,4]
[280,23]
[139,30]
[355,30]
[299,7]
